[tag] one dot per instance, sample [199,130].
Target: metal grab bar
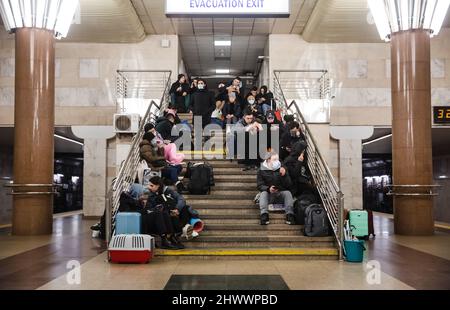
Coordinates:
[128,169]
[330,193]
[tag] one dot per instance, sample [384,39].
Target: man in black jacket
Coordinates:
[297,168]
[273,182]
[203,103]
[164,126]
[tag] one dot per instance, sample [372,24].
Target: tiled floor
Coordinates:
[41,263]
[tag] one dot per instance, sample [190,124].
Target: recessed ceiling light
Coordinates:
[222,71]
[222,43]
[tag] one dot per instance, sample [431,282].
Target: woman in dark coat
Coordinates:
[165,214]
[203,103]
[179,92]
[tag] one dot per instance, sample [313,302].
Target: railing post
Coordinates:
[108,221]
[341,223]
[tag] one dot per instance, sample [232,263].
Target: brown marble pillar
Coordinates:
[34,118]
[411,129]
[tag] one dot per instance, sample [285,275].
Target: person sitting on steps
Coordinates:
[166,215]
[273,181]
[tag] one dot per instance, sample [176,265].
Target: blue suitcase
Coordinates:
[128,223]
[359,223]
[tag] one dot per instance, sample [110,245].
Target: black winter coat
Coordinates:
[164,127]
[202,102]
[267,178]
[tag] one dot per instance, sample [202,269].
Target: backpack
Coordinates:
[208,166]
[200,180]
[300,205]
[316,221]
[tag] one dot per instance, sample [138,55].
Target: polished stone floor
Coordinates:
[45,263]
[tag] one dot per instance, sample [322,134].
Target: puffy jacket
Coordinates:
[267,178]
[150,156]
[169,198]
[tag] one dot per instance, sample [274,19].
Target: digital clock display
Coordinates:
[441,115]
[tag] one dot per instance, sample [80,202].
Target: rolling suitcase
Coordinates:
[128,223]
[359,221]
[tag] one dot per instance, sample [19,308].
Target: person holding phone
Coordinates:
[274,182]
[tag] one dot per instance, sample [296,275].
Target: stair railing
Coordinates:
[128,170]
[329,191]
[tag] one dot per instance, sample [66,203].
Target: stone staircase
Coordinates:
[232,229]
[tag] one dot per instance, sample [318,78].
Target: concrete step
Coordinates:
[227,211]
[241,219]
[239,253]
[234,171]
[229,186]
[217,195]
[198,202]
[235,178]
[259,241]
[253,227]
[297,232]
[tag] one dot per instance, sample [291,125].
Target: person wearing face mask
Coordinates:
[203,103]
[222,93]
[253,106]
[179,91]
[289,138]
[274,182]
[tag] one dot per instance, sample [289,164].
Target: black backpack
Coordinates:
[211,171]
[200,180]
[316,221]
[303,202]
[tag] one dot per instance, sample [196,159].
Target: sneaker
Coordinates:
[166,244]
[180,187]
[195,234]
[187,231]
[290,219]
[176,242]
[96,227]
[265,219]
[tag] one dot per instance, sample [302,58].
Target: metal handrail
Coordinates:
[330,193]
[128,170]
[413,185]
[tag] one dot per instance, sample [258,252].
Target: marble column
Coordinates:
[411,129]
[350,162]
[34,118]
[95,166]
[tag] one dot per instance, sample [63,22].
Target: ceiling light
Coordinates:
[222,71]
[54,15]
[222,43]
[399,15]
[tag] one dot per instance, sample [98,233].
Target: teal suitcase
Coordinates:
[359,223]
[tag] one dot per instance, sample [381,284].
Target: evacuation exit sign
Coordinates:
[228,8]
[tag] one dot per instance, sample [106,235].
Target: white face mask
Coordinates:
[276,165]
[201,86]
[251,101]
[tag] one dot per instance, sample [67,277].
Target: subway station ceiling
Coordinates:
[129,21]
